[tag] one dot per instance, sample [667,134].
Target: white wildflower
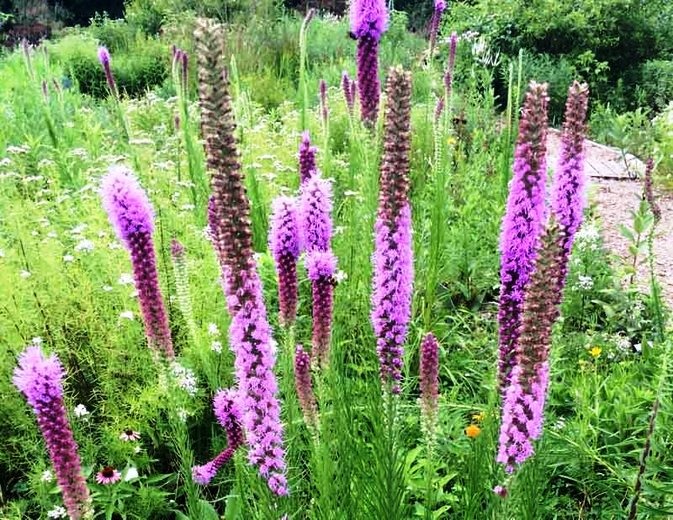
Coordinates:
[126,315]
[107,288]
[25,274]
[340,276]
[125,279]
[131,473]
[47,476]
[185,378]
[68,258]
[79,229]
[216,346]
[585,283]
[84,246]
[213,330]
[57,512]
[80,411]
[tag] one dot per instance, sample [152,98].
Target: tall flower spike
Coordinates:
[304,387]
[524,397]
[182,285]
[285,247]
[448,74]
[316,209]
[567,192]
[132,217]
[369,20]
[324,108]
[229,220]
[522,224]
[429,382]
[393,255]
[106,63]
[347,86]
[307,158]
[316,225]
[39,378]
[435,21]
[321,266]
[229,416]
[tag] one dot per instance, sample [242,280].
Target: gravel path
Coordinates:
[615,195]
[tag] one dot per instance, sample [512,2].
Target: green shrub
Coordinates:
[657,83]
[145,65]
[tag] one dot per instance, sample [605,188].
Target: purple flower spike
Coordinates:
[429,382]
[522,224]
[131,215]
[39,379]
[304,386]
[524,397]
[316,208]
[568,187]
[393,255]
[229,416]
[231,230]
[448,75]
[648,190]
[435,21]
[321,266]
[369,20]
[347,86]
[307,158]
[106,62]
[285,247]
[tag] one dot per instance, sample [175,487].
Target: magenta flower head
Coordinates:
[230,226]
[307,158]
[315,214]
[525,395]
[568,187]
[321,266]
[131,215]
[429,382]
[106,63]
[369,20]
[285,247]
[522,223]
[304,387]
[40,380]
[393,255]
[229,416]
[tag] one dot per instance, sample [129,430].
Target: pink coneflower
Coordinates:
[129,435]
[108,475]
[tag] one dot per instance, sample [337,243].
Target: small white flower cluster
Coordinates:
[185,378]
[57,512]
[588,237]
[80,411]
[585,283]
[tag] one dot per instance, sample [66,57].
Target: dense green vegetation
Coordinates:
[65,278]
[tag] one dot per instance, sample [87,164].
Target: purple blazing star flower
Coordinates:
[369,20]
[307,158]
[522,224]
[321,266]
[285,246]
[393,255]
[568,187]
[132,217]
[39,378]
[106,63]
[304,387]
[429,382]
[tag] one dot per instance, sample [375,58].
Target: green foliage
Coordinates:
[141,66]
[657,83]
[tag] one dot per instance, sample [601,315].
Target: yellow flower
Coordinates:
[478,417]
[594,352]
[451,140]
[472,431]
